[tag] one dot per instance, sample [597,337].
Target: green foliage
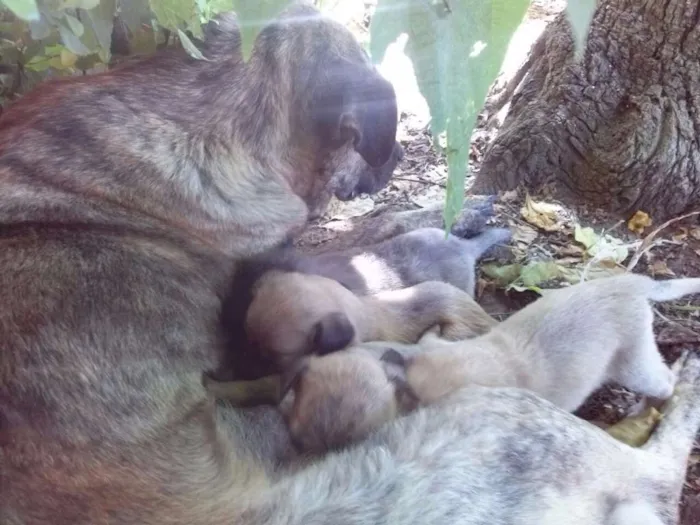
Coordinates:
[252,16]
[456,46]
[457,49]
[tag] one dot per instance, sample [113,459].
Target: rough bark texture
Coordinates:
[621,128]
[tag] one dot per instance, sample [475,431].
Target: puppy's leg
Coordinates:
[634,513]
[640,367]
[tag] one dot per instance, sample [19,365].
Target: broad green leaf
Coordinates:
[134,13]
[74,25]
[189,46]
[457,49]
[253,16]
[76,4]
[586,236]
[72,42]
[40,29]
[24,9]
[538,272]
[177,14]
[580,13]
[636,430]
[209,8]
[502,275]
[101,23]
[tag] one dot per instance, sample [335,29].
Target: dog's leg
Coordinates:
[380,226]
[640,367]
[634,513]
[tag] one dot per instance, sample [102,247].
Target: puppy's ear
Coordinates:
[394,365]
[291,377]
[356,103]
[333,332]
[395,369]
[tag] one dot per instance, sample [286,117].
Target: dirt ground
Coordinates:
[420,181]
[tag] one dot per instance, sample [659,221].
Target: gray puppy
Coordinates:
[426,254]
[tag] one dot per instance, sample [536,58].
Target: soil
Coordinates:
[420,180]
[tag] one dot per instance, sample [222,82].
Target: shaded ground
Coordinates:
[420,181]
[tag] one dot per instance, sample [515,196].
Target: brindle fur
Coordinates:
[126,199]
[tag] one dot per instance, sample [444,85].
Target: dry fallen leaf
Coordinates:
[635,430]
[509,196]
[523,233]
[682,234]
[638,222]
[571,250]
[542,214]
[660,268]
[695,233]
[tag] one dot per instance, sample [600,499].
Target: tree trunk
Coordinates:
[620,129]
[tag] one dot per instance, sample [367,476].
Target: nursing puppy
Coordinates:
[411,258]
[563,347]
[288,315]
[294,314]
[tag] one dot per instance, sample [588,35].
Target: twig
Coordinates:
[426,182]
[647,242]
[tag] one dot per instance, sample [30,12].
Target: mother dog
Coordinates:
[125,198]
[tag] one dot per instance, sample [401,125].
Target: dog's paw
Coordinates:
[474,216]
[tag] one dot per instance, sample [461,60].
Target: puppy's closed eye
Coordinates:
[332,333]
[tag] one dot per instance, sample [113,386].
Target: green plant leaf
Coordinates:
[134,13]
[580,14]
[40,29]
[457,49]
[74,25]
[538,272]
[72,42]
[177,14]
[189,46]
[502,275]
[253,16]
[24,9]
[101,22]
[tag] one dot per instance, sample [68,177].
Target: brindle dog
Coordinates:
[126,198]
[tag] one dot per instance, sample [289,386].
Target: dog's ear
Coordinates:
[394,365]
[333,332]
[356,103]
[290,378]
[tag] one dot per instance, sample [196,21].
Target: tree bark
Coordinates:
[621,128]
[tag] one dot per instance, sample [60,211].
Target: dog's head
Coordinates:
[294,314]
[336,399]
[336,115]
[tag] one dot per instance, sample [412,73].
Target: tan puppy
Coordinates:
[294,314]
[562,347]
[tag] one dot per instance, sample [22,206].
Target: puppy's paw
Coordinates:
[474,216]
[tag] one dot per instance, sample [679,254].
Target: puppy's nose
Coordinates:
[398,152]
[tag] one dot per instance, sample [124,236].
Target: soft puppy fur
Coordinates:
[563,347]
[127,198]
[285,314]
[294,314]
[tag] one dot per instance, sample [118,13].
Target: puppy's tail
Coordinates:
[674,437]
[672,289]
[482,243]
